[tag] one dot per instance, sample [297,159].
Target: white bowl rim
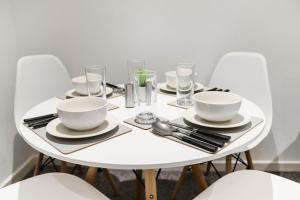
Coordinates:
[170,73]
[79,79]
[78,98]
[238,98]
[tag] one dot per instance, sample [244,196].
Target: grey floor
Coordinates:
[125,181]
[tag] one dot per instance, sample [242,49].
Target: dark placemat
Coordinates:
[67,146]
[235,133]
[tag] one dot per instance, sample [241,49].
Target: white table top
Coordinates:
[138,149]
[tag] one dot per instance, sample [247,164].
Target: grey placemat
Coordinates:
[67,146]
[235,133]
[132,122]
[174,103]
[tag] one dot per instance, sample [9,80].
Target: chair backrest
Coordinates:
[246,74]
[39,77]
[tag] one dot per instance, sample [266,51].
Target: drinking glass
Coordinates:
[145,91]
[96,80]
[185,83]
[134,65]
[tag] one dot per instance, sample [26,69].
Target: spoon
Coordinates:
[164,130]
[194,134]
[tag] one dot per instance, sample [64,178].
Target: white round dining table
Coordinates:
[139,149]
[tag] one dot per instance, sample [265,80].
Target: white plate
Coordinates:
[57,129]
[165,88]
[72,93]
[239,120]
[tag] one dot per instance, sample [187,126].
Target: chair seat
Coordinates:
[51,186]
[249,185]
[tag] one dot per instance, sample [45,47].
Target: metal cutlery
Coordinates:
[209,133]
[218,89]
[40,121]
[204,138]
[115,87]
[36,123]
[163,130]
[34,119]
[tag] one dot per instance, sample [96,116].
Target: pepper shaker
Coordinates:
[129,95]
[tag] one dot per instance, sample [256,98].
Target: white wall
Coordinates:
[168,31]
[13,150]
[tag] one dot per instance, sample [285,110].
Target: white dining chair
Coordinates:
[249,185]
[51,186]
[40,77]
[246,74]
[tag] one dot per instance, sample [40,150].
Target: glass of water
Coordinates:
[134,65]
[96,80]
[185,83]
[145,91]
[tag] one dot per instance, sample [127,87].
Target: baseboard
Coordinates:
[21,172]
[287,166]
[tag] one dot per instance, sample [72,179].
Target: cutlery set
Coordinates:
[40,121]
[206,141]
[116,89]
[218,89]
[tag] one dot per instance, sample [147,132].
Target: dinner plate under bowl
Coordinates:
[57,129]
[165,88]
[238,121]
[72,93]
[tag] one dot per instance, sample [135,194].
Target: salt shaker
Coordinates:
[129,95]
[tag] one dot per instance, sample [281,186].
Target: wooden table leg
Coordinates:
[38,164]
[228,164]
[249,160]
[199,176]
[138,186]
[110,180]
[63,166]
[179,182]
[91,175]
[150,184]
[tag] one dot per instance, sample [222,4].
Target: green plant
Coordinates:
[142,77]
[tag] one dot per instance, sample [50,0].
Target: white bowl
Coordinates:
[82,113]
[171,79]
[217,106]
[81,87]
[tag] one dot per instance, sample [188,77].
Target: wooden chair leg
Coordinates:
[138,185]
[228,164]
[249,160]
[150,184]
[179,182]
[63,167]
[38,164]
[110,180]
[199,176]
[91,175]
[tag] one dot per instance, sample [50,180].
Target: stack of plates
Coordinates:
[239,120]
[164,87]
[72,93]
[57,129]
